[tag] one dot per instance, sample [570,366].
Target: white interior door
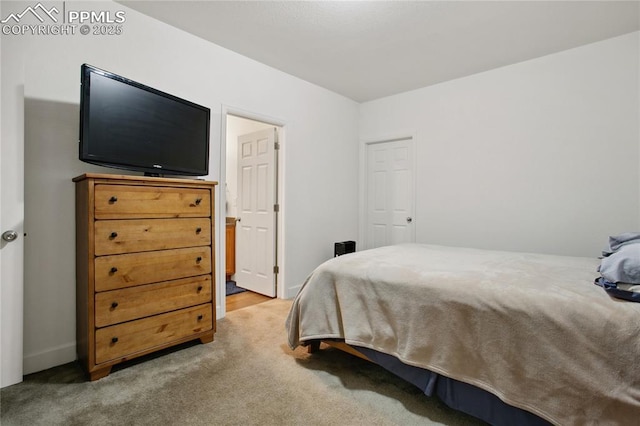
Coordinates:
[389,193]
[11,256]
[255,231]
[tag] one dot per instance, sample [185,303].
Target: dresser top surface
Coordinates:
[104,177]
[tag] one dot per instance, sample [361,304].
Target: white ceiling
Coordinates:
[365,50]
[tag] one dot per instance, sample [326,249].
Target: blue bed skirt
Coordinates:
[457,395]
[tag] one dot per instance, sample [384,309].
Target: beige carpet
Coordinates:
[247,376]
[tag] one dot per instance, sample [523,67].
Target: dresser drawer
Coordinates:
[130,236]
[130,202]
[125,339]
[116,306]
[128,270]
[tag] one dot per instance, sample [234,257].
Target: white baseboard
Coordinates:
[52,357]
[292,292]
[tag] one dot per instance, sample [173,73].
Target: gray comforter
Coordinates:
[532,329]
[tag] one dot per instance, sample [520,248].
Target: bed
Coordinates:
[511,338]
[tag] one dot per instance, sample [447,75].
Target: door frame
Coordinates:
[363,186]
[222,199]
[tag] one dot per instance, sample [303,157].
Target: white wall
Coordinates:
[321,131]
[539,156]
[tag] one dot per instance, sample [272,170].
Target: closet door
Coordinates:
[389,193]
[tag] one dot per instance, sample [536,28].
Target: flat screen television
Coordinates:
[127,125]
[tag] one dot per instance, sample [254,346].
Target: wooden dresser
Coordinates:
[144,266]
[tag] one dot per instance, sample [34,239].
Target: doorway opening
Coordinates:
[252,207]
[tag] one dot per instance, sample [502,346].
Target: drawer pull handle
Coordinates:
[113,235]
[198,259]
[113,270]
[113,199]
[198,230]
[198,201]
[114,340]
[200,317]
[114,305]
[199,288]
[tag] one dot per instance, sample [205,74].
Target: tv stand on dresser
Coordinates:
[145,274]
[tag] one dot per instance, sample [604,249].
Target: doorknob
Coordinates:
[409,219]
[9,236]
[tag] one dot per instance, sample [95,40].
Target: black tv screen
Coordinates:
[127,125]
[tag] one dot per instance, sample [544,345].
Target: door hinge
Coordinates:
[276,269]
[276,208]
[276,145]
